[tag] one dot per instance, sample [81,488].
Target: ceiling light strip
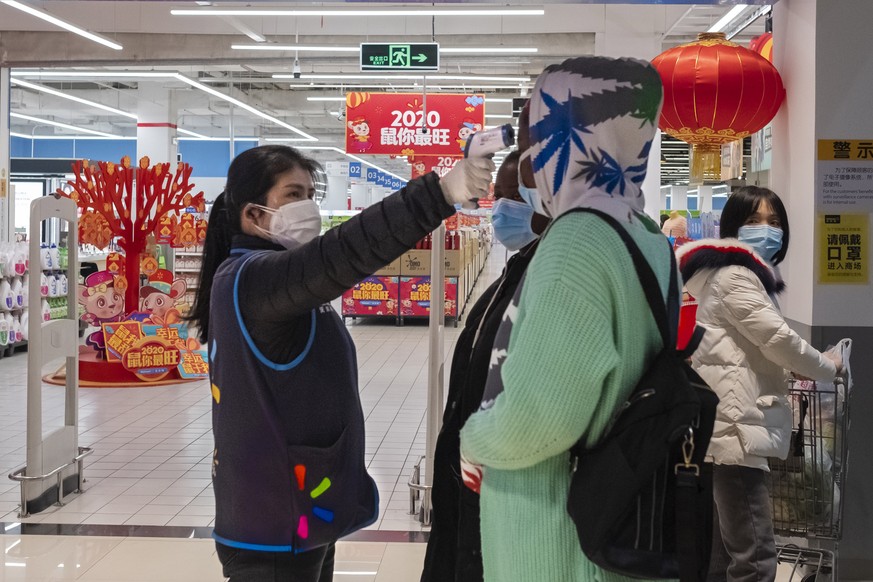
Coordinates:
[366,163]
[337,150]
[727,18]
[737,25]
[295,47]
[246,106]
[487,99]
[165,75]
[62,24]
[357,49]
[70,137]
[494,49]
[62,125]
[370,12]
[191,133]
[236,139]
[96,74]
[414,88]
[386,85]
[430,78]
[63,95]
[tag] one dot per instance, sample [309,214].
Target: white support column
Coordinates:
[640,38]
[337,193]
[664,192]
[360,196]
[652,183]
[704,198]
[7,199]
[678,197]
[156,125]
[336,197]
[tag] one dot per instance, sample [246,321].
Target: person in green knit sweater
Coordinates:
[578,334]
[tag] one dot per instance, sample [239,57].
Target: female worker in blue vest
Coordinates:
[288,466]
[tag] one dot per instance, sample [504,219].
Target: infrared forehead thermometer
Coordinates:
[490,141]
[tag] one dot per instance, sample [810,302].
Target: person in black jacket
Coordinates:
[454,547]
[288,465]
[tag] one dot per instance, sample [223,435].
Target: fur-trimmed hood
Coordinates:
[718,253]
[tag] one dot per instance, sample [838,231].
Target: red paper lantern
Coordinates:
[715,92]
[763,45]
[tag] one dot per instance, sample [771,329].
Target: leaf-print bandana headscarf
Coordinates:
[592,122]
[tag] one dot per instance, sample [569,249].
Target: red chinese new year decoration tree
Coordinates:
[129,203]
[715,92]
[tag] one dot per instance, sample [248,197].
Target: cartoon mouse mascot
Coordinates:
[360,134]
[103,303]
[419,168]
[159,296]
[466,129]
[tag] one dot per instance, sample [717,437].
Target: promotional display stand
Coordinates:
[140,339]
[54,460]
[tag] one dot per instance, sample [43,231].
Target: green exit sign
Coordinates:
[400,57]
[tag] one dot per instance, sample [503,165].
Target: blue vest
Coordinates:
[288,467]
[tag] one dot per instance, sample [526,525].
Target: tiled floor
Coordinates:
[151,464]
[41,558]
[106,559]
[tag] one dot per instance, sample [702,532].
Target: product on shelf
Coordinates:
[24,322]
[187,267]
[7,297]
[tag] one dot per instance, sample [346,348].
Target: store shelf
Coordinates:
[10,349]
[187,270]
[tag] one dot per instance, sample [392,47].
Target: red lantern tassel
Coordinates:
[705,163]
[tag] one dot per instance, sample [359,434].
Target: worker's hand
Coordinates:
[467,181]
[471,474]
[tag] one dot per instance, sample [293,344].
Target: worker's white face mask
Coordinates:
[293,224]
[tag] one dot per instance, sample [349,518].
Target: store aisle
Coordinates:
[153,446]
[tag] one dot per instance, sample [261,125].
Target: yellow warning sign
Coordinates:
[843,246]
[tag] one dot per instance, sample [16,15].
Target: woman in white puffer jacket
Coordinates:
[745,357]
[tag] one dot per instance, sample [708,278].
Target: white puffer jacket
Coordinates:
[747,351]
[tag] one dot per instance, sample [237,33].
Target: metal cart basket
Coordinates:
[807,486]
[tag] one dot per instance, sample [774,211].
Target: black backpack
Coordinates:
[641,498]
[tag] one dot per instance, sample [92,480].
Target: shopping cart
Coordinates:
[807,486]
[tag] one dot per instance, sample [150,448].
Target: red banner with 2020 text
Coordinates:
[399,124]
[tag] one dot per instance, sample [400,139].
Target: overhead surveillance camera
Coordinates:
[341,114]
[296,69]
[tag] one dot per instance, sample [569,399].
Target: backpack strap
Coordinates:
[688,527]
[693,343]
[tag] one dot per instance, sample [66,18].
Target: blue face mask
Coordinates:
[529,195]
[765,239]
[532,198]
[511,220]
